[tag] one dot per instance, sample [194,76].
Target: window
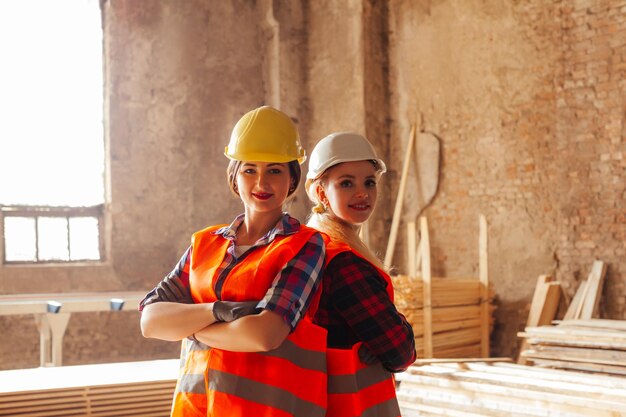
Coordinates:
[51,130]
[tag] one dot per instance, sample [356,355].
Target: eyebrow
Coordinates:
[353,177]
[269,165]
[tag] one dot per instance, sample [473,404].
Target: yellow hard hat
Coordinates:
[265,135]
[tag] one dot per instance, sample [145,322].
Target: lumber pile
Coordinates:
[593,345]
[472,389]
[455,313]
[103,390]
[579,341]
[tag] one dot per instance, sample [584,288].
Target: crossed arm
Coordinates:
[175,321]
[168,312]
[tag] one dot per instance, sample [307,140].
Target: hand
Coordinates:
[366,356]
[232,310]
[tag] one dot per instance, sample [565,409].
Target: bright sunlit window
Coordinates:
[51,130]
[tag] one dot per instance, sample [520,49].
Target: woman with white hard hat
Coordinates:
[241,356]
[368,339]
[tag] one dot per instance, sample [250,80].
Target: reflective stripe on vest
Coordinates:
[288,381]
[354,388]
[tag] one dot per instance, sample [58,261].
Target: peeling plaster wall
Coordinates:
[527,98]
[178,77]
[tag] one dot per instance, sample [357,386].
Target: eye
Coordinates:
[370,183]
[345,184]
[275,171]
[249,171]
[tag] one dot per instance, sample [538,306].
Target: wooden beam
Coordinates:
[391,243]
[593,291]
[426,288]
[411,248]
[483,267]
[575,305]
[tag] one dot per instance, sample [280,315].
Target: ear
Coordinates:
[321,194]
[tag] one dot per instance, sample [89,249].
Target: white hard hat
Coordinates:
[341,147]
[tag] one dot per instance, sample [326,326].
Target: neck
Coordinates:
[256,225]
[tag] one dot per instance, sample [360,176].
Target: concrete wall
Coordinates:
[527,99]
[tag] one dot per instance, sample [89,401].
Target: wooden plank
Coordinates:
[577,333]
[507,384]
[426,288]
[419,362]
[595,282]
[512,396]
[483,266]
[555,375]
[572,356]
[572,310]
[412,248]
[78,376]
[551,305]
[539,300]
[614,357]
[391,243]
[536,308]
[582,366]
[594,323]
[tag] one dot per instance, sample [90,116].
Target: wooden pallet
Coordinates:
[103,390]
[451,317]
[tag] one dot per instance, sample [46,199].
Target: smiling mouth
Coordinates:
[262,196]
[359,207]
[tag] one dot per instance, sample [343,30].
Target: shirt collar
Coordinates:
[286,225]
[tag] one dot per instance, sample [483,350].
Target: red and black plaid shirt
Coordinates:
[354,307]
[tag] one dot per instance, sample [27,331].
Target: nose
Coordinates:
[262,179]
[361,194]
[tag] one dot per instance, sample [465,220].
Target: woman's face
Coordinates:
[263,186]
[351,190]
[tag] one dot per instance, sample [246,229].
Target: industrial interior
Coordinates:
[502,214]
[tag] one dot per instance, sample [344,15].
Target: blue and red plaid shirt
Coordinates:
[355,307]
[291,291]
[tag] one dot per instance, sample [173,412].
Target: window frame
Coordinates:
[67,212]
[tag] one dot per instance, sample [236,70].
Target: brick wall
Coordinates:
[528,101]
[591,142]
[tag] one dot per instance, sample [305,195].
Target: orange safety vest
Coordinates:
[354,388]
[289,381]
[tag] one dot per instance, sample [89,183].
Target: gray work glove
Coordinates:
[232,310]
[366,356]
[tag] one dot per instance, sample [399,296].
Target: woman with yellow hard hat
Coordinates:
[235,362]
[368,339]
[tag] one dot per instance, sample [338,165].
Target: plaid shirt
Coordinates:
[355,307]
[291,291]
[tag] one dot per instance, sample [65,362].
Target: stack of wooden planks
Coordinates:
[103,390]
[593,345]
[579,341]
[456,314]
[500,389]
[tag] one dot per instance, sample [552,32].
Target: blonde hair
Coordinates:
[336,228]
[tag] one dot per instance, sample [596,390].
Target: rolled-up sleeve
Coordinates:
[174,287]
[295,285]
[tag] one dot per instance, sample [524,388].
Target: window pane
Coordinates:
[51,89]
[84,241]
[19,239]
[52,233]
